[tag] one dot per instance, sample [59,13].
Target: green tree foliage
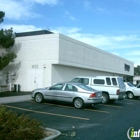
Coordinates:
[137,70]
[7,40]
[2,14]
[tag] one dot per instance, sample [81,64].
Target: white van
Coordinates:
[112,87]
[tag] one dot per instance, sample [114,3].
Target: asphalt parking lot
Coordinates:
[100,122]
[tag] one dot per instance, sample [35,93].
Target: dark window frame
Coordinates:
[108,81]
[99,81]
[114,81]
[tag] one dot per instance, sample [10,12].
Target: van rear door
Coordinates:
[121,84]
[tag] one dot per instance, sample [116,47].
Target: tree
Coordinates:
[7,40]
[137,70]
[2,14]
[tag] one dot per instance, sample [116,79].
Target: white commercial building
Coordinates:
[44,58]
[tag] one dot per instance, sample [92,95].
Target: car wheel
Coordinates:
[105,98]
[130,95]
[39,97]
[78,103]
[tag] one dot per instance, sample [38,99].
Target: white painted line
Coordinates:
[48,113]
[110,106]
[128,103]
[74,108]
[100,111]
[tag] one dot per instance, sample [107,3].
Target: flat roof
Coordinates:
[32,33]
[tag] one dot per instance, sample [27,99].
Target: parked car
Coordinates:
[132,91]
[112,87]
[76,93]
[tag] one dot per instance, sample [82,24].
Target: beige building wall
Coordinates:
[50,58]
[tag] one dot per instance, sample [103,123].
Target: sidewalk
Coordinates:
[11,97]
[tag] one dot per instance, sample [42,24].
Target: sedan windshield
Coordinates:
[130,85]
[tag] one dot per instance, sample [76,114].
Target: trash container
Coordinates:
[16,88]
[19,88]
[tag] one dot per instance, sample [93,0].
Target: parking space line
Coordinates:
[60,105]
[128,103]
[100,111]
[56,105]
[74,108]
[48,113]
[132,100]
[111,106]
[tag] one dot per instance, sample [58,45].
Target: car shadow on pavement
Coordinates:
[11,93]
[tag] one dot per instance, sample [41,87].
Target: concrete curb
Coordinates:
[57,133]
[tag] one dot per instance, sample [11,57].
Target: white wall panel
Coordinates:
[46,59]
[61,73]
[76,53]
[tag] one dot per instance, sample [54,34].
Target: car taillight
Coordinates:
[92,95]
[118,91]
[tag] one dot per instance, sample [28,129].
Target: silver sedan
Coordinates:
[76,93]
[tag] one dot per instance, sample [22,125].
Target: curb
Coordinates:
[57,133]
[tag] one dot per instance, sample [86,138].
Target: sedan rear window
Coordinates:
[70,87]
[86,87]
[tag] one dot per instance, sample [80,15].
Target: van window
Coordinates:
[84,81]
[99,81]
[108,81]
[75,80]
[121,82]
[114,81]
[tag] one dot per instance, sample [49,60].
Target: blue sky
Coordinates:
[111,25]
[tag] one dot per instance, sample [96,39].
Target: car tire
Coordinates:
[105,98]
[130,95]
[39,98]
[78,103]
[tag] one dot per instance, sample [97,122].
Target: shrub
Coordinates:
[14,127]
